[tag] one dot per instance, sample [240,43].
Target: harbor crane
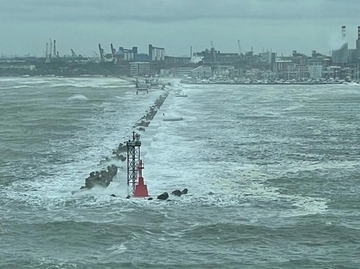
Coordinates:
[101,52]
[73,54]
[239,47]
[113,52]
[97,55]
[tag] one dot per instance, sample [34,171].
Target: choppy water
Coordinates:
[272,173]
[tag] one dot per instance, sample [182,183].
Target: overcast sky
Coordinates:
[277,25]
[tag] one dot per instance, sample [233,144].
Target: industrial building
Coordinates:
[156,53]
[341,55]
[126,54]
[344,56]
[354,54]
[139,68]
[213,56]
[343,63]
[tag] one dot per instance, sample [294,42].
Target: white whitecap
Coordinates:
[77,98]
[117,249]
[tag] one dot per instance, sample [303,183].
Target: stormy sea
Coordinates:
[272,173]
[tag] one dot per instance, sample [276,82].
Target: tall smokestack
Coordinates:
[54,48]
[343,31]
[358,39]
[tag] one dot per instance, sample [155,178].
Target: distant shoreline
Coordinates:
[56,76]
[264,84]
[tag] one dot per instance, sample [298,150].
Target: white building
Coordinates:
[139,68]
[316,71]
[181,72]
[202,72]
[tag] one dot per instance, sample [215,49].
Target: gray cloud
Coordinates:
[281,25]
[167,11]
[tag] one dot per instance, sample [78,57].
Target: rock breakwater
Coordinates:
[104,177]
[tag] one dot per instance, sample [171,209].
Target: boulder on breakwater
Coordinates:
[165,195]
[118,152]
[145,120]
[179,192]
[100,178]
[142,124]
[176,192]
[121,157]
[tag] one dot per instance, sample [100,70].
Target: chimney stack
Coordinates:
[343,31]
[358,39]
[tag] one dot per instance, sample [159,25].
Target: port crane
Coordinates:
[97,55]
[101,51]
[239,47]
[113,51]
[73,54]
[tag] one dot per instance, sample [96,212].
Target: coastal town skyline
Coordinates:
[278,26]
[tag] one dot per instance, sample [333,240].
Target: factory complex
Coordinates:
[342,64]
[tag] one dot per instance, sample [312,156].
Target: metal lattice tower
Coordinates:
[133,159]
